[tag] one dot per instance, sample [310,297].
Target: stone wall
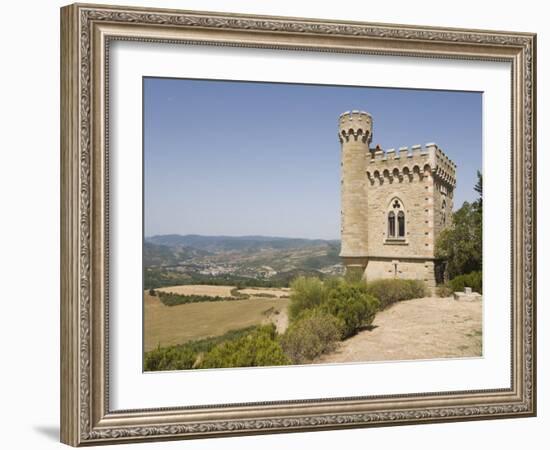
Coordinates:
[415,194]
[404,268]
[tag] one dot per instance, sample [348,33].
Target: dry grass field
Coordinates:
[277,292]
[170,325]
[199,289]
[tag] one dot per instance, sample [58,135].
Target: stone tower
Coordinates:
[394,204]
[355,133]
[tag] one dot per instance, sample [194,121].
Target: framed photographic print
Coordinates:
[276,224]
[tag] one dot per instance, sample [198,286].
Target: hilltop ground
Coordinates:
[424,328]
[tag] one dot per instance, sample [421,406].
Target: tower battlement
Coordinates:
[408,162]
[355,125]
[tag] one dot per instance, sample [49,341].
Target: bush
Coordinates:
[352,305]
[258,348]
[306,293]
[170,358]
[444,290]
[473,280]
[394,290]
[152,292]
[353,274]
[187,356]
[313,333]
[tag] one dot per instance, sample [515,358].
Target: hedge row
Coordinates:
[395,290]
[172,299]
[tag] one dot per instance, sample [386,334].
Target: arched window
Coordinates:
[396,220]
[391,224]
[443,212]
[401,224]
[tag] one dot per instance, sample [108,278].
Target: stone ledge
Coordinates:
[467,297]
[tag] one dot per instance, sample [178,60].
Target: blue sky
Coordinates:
[242,158]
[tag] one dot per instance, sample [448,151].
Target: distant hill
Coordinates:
[239,243]
[244,260]
[157,255]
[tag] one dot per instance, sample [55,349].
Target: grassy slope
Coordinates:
[170,325]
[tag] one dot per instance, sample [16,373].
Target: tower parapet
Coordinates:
[355,125]
[429,159]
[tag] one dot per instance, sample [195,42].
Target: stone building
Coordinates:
[394,204]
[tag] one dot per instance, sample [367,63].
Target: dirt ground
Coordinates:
[426,328]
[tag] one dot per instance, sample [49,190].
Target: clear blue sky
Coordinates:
[241,158]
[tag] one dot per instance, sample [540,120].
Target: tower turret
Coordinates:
[355,133]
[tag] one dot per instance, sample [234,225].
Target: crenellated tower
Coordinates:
[355,133]
[394,203]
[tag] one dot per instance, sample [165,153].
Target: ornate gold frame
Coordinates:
[86,31]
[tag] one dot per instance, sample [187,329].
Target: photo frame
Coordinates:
[88,33]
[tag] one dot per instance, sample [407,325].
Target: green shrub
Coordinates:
[306,293]
[172,299]
[313,333]
[389,291]
[352,305]
[472,279]
[187,356]
[353,274]
[258,348]
[444,290]
[170,358]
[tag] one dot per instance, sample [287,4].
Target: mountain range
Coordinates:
[255,257]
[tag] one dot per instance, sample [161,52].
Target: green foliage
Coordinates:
[389,291]
[313,333]
[347,301]
[461,245]
[473,280]
[306,293]
[353,274]
[154,278]
[171,299]
[170,358]
[444,290]
[352,305]
[478,204]
[186,356]
[258,348]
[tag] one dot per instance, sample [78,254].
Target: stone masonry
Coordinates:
[394,204]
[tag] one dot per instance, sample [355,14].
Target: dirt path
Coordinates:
[424,328]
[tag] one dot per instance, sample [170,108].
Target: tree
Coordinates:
[479,189]
[461,245]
